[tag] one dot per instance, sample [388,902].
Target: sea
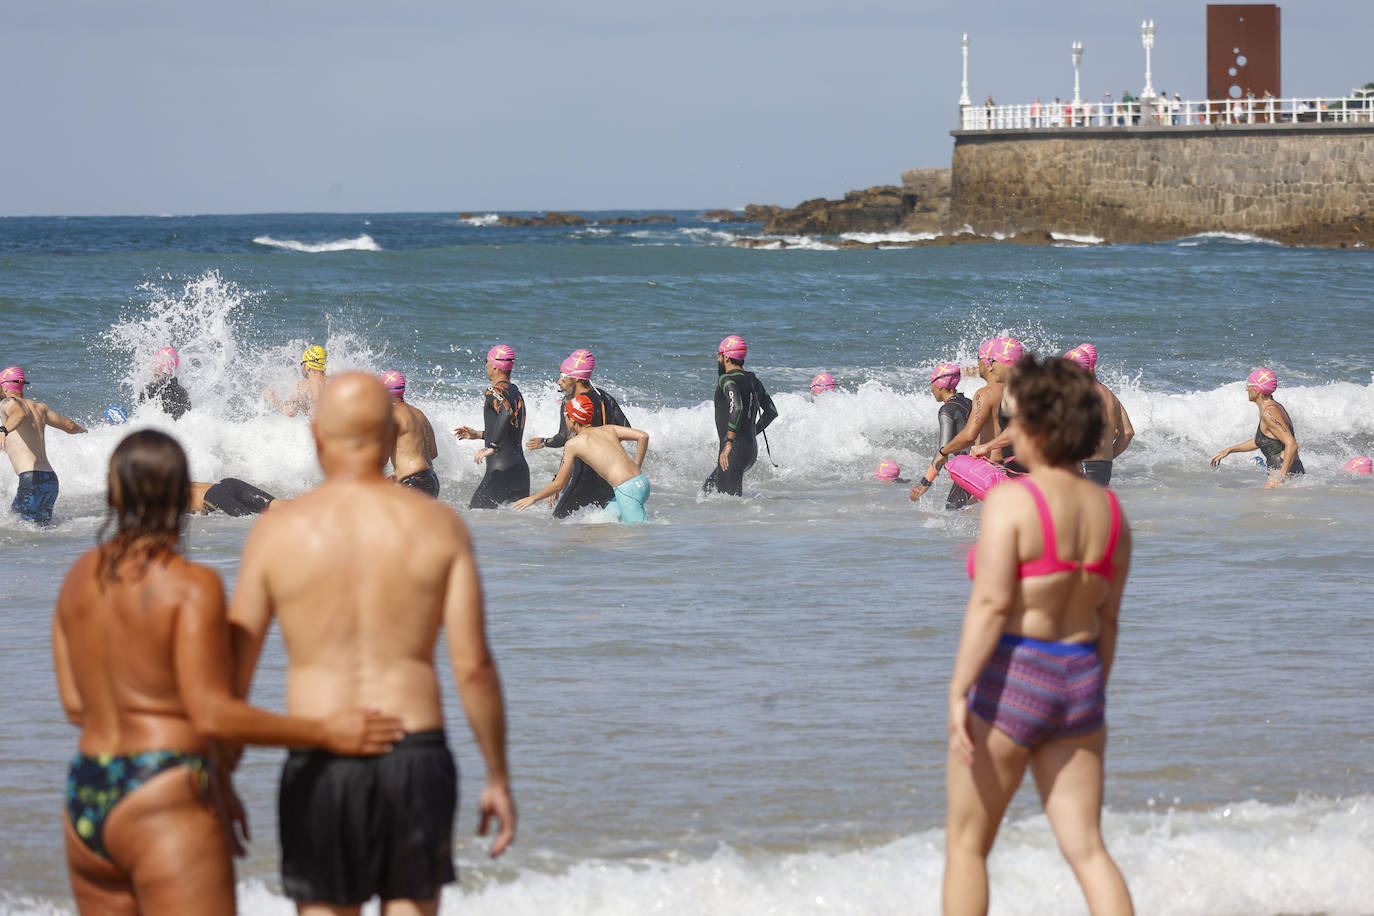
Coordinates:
[739,707]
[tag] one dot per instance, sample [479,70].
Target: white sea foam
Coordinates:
[889,236]
[1079,239]
[1309,856]
[1245,237]
[363,242]
[486,219]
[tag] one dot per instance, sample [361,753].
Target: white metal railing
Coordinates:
[1165,112]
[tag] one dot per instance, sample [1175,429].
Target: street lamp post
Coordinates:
[963,98]
[1147,38]
[1076,49]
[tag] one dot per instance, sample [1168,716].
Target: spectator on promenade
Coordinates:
[1108,110]
[1035,113]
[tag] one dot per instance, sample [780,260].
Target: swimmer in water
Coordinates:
[743,409]
[978,428]
[503,414]
[230,496]
[1117,431]
[1274,436]
[599,447]
[955,410]
[23,436]
[308,390]
[821,384]
[585,487]
[412,456]
[165,389]
[889,471]
[1004,355]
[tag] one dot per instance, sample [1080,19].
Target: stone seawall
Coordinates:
[1296,184]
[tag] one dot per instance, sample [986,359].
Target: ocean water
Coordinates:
[738,708]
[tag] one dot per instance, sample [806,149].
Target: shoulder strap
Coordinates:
[1042,508]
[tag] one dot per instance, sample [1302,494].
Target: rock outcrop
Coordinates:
[637,220]
[919,205]
[552,218]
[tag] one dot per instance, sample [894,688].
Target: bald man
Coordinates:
[361,575]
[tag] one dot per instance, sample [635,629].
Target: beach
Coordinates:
[740,707]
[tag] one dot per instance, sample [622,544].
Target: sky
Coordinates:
[176,107]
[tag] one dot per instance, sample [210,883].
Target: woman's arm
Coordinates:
[1111,609]
[990,602]
[1247,446]
[62,664]
[1280,430]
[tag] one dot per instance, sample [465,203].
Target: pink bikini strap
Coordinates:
[1042,508]
[1106,567]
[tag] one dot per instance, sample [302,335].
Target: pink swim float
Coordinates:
[977,475]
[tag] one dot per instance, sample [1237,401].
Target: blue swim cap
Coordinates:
[116,415]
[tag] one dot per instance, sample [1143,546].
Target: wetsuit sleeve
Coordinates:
[946,428]
[561,439]
[768,411]
[498,419]
[734,409]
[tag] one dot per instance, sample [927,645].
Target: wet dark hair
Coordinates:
[1057,402]
[149,493]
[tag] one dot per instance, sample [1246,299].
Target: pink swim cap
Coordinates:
[1263,380]
[985,349]
[1360,465]
[733,347]
[12,379]
[395,382]
[887,471]
[168,359]
[579,364]
[1085,354]
[946,375]
[580,410]
[1007,351]
[823,382]
[502,357]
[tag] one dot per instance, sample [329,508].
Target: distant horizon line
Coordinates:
[477,210]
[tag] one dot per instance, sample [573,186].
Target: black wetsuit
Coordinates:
[1272,450]
[234,497]
[742,407]
[425,481]
[508,476]
[953,417]
[585,487]
[169,393]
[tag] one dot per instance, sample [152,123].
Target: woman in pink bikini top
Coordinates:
[1038,639]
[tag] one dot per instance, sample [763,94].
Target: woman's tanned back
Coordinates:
[120,636]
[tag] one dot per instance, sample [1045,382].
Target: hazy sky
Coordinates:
[177,106]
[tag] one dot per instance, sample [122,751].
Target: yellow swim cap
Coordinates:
[314,358]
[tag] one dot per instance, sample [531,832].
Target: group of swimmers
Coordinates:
[594,474]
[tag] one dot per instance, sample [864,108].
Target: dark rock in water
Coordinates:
[880,209]
[471,215]
[760,213]
[552,218]
[637,220]
[723,216]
